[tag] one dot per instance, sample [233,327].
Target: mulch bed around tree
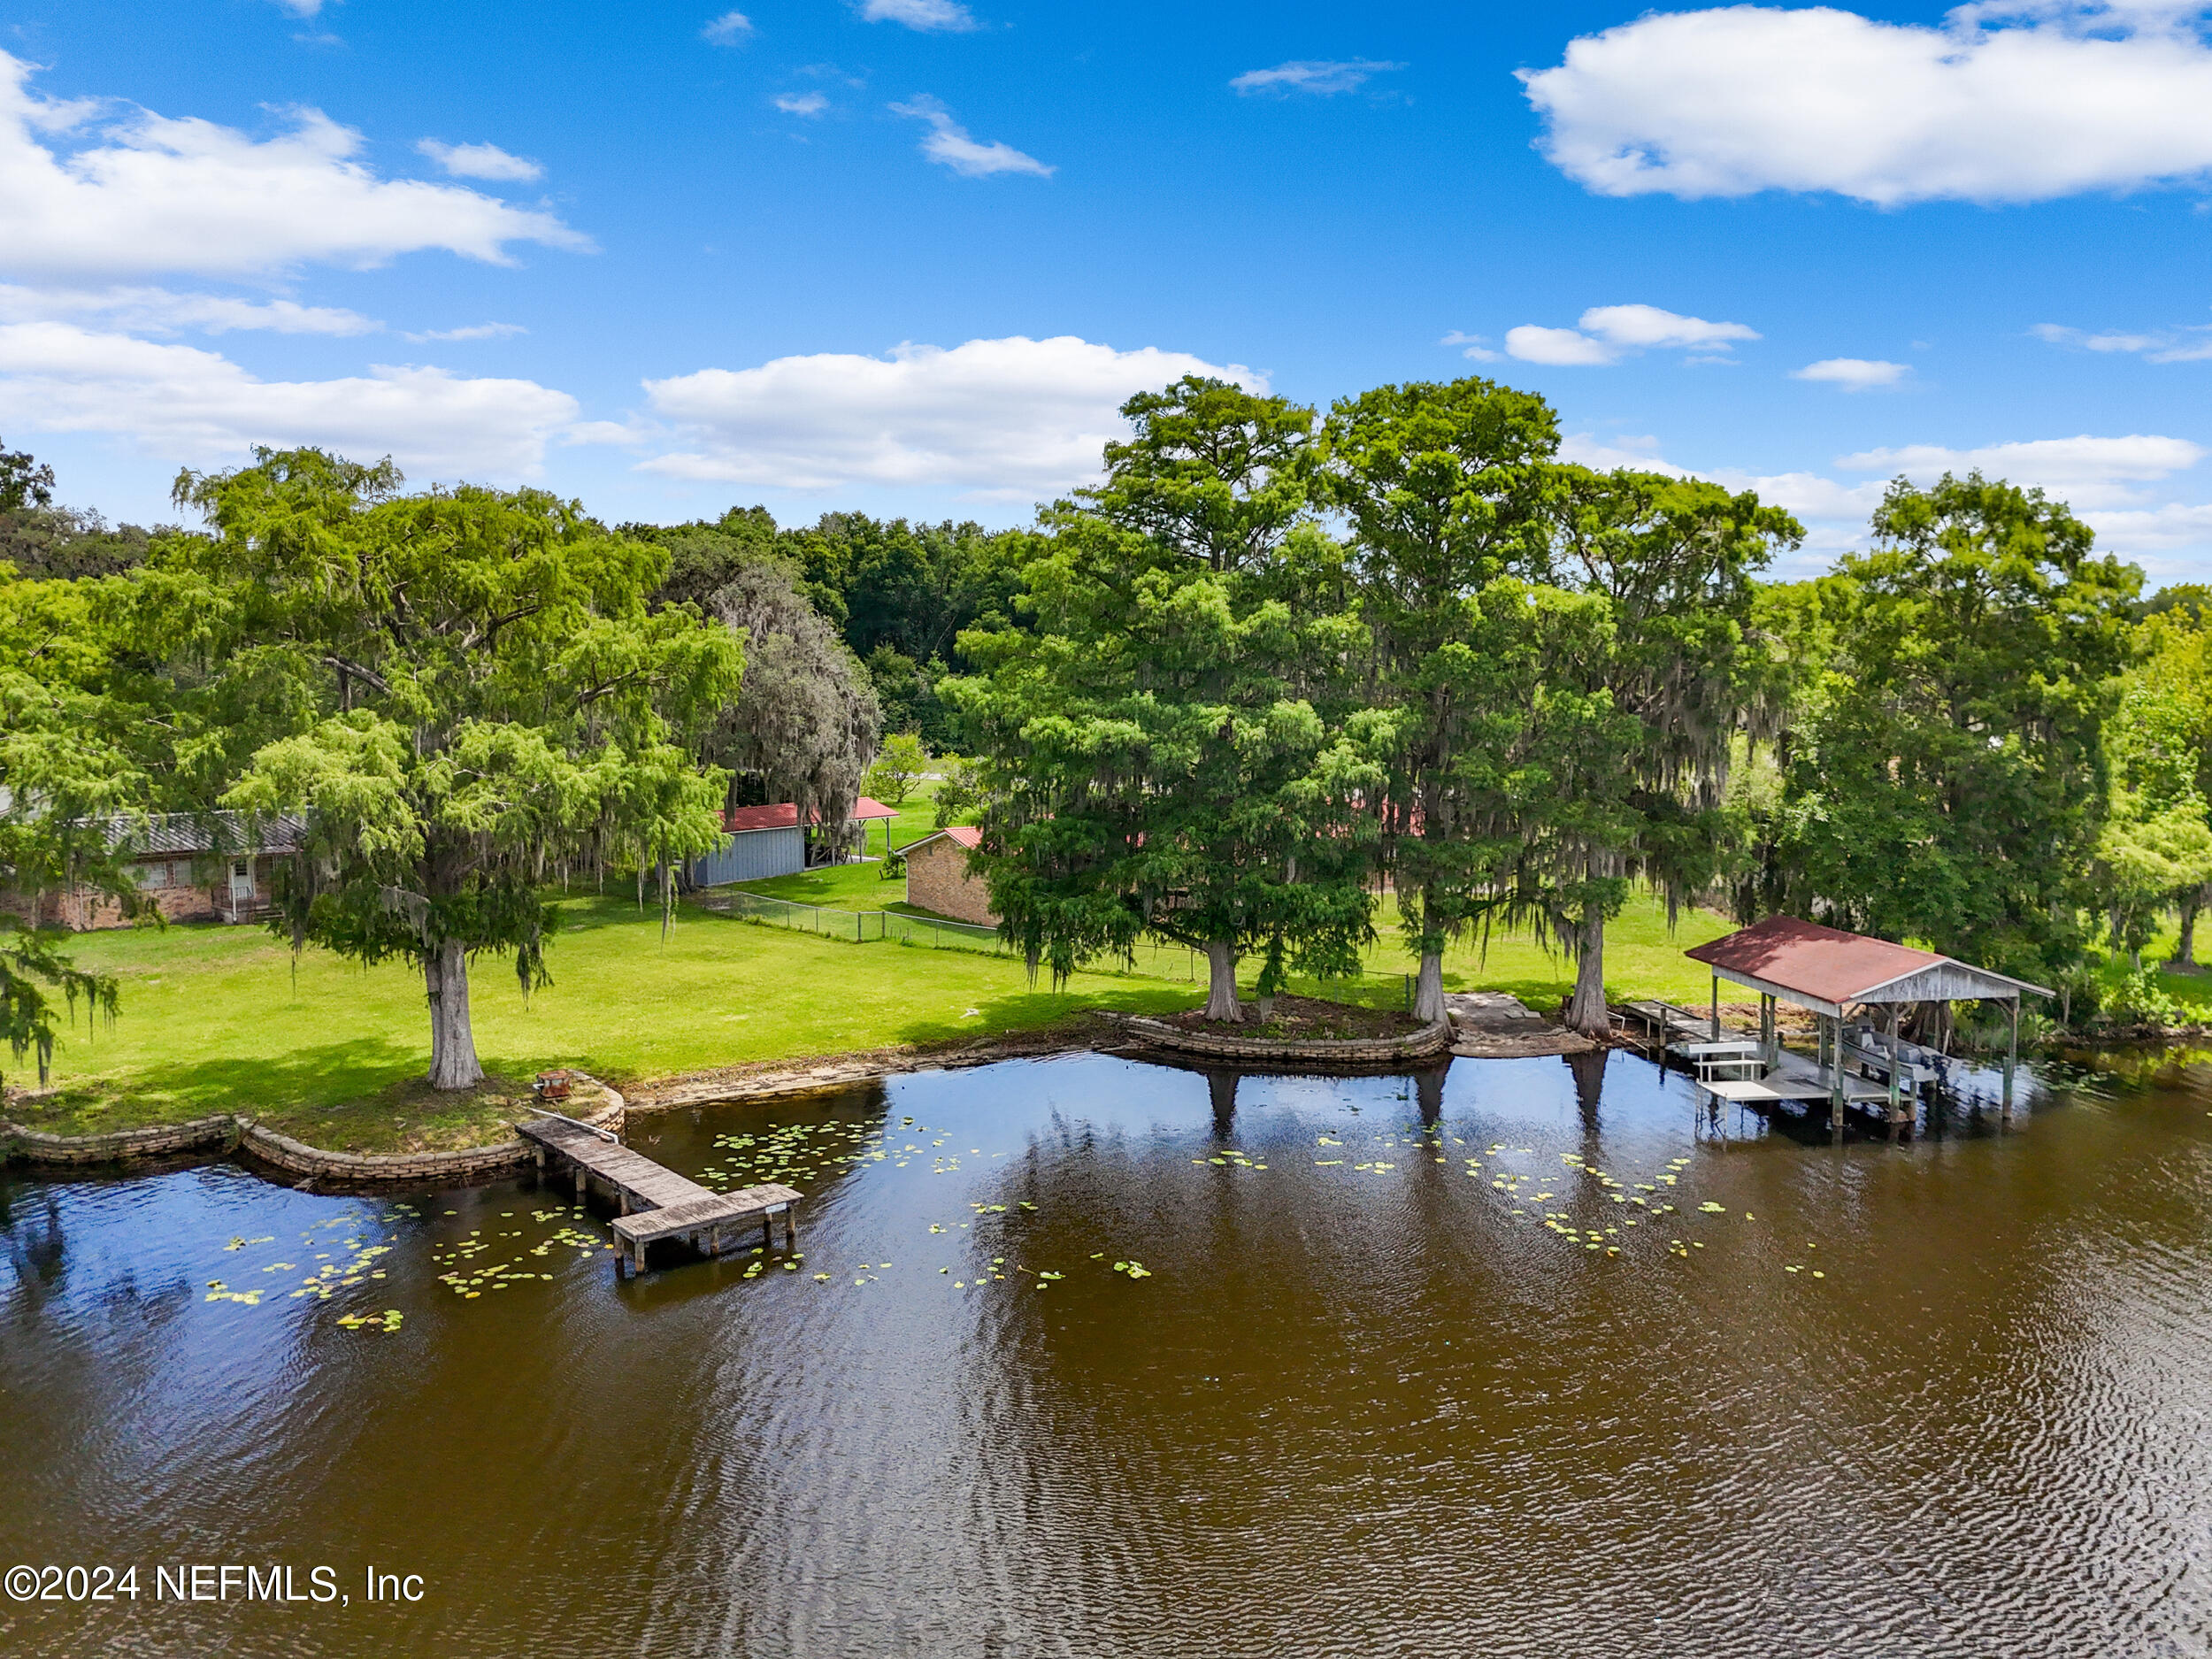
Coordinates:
[1303,1019]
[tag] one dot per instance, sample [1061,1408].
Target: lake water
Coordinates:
[1373,1392]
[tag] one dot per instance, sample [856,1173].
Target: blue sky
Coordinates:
[712,258]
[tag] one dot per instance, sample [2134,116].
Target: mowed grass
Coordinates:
[222,1019]
[218,1019]
[1643,958]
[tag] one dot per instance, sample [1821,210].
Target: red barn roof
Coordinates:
[785,815]
[739,820]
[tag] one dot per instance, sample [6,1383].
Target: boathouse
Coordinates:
[1857,987]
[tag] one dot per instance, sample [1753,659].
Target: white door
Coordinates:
[241,883]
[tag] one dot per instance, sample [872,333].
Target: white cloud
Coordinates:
[1641,326]
[2061,98]
[150,193]
[2133,532]
[1853,374]
[2105,480]
[157,311]
[2084,472]
[942,16]
[728,29]
[183,404]
[1606,334]
[481,161]
[2192,344]
[1320,77]
[1018,419]
[473,331]
[1563,348]
[948,143]
[1475,347]
[800,102]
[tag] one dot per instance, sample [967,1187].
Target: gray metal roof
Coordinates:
[174,834]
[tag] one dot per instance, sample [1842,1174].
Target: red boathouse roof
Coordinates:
[1828,968]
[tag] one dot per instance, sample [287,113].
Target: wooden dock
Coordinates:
[1664,1023]
[1795,1079]
[657,1202]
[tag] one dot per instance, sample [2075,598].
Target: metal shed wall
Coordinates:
[752,856]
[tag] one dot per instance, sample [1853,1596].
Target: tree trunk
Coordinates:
[2186,957]
[1221,992]
[453,1064]
[1428,988]
[1588,1012]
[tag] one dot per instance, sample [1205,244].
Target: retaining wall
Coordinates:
[1426,1043]
[228,1133]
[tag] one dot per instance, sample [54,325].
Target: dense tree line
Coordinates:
[1283,678]
[1277,663]
[898,594]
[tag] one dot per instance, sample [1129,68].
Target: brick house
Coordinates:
[193,867]
[938,879]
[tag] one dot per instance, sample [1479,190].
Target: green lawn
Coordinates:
[215,1018]
[218,1019]
[836,887]
[1642,958]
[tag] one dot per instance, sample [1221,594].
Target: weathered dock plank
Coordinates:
[658,1204]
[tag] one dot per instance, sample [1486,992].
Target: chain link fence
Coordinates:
[1151,958]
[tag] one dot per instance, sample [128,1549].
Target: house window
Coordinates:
[152,876]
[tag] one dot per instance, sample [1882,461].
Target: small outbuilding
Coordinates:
[938,879]
[769,840]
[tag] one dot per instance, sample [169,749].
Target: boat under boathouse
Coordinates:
[1858,988]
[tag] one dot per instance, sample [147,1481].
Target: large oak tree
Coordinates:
[490,703]
[1159,747]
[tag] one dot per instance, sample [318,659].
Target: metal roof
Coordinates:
[785,815]
[1826,968]
[174,834]
[966,834]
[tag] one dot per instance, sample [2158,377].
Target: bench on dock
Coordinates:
[1716,1060]
[655,1202]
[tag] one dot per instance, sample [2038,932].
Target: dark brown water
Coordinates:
[1350,1410]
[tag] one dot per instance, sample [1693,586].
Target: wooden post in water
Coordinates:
[1715,1008]
[2012,1052]
[1766,1028]
[1894,1115]
[1835,1075]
